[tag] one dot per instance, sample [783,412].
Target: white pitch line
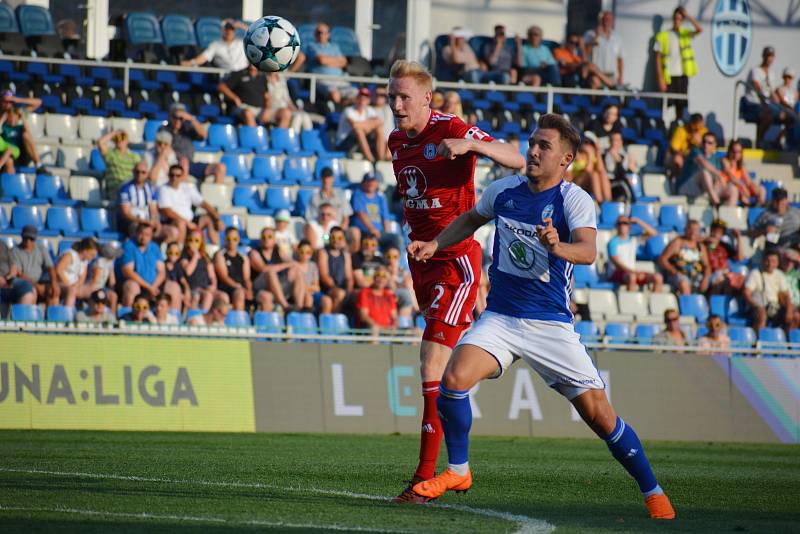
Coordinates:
[526,525]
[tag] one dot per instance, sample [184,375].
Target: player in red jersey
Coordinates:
[434,156]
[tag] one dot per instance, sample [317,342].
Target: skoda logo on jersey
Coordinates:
[429,151]
[412,181]
[547,212]
[522,255]
[731,35]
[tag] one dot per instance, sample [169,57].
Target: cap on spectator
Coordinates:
[108,250]
[99,296]
[176,107]
[283,215]
[590,136]
[29,231]
[326,172]
[229,25]
[788,72]
[364,91]
[779,193]
[719,223]
[461,32]
[768,51]
[623,219]
[164,136]
[368,177]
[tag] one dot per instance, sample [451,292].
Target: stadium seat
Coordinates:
[736,315]
[752,216]
[8,20]
[347,41]
[236,165]
[661,302]
[237,318]
[151,127]
[609,212]
[741,336]
[312,141]
[647,213]
[60,314]
[85,189]
[301,202]
[3,219]
[249,197]
[65,127]
[734,216]
[635,303]
[231,220]
[603,304]
[771,335]
[333,324]
[278,198]
[334,164]
[672,217]
[222,137]
[297,169]
[143,29]
[65,220]
[34,20]
[301,323]
[694,305]
[218,195]
[267,168]
[133,127]
[419,322]
[646,332]
[253,138]
[355,169]
[16,187]
[178,31]
[285,139]
[618,332]
[208,30]
[96,220]
[77,158]
[655,185]
[586,276]
[655,245]
[268,322]
[24,215]
[718,305]
[92,128]
[26,312]
[64,244]
[588,330]
[256,223]
[794,335]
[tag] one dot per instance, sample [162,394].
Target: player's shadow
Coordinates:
[88,526]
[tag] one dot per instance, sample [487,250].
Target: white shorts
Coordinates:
[551,348]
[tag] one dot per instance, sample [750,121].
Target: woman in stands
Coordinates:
[174,273]
[400,282]
[309,271]
[588,171]
[716,336]
[685,261]
[275,277]
[750,193]
[163,305]
[72,269]
[103,276]
[336,268]
[200,276]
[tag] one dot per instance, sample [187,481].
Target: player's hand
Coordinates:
[548,235]
[422,250]
[452,148]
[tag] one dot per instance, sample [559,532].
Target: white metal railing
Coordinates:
[735,127]
[314,79]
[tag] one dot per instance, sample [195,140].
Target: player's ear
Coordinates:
[428,97]
[567,159]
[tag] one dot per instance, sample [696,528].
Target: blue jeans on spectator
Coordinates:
[482,76]
[549,74]
[13,293]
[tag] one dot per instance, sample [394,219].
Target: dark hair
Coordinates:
[712,135]
[668,311]
[779,193]
[174,167]
[304,242]
[164,296]
[326,171]
[565,129]
[139,297]
[231,229]
[772,251]
[696,117]
[335,229]
[142,226]
[87,243]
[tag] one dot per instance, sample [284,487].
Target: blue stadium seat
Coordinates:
[178,31]
[753,214]
[618,332]
[646,332]
[655,245]
[60,314]
[297,170]
[333,324]
[771,335]
[335,164]
[189,314]
[3,218]
[253,138]
[302,201]
[238,318]
[718,305]
[301,322]
[143,29]
[694,305]
[794,335]
[17,187]
[587,330]
[96,220]
[63,245]
[248,196]
[672,217]
[609,212]
[151,127]
[35,21]
[741,336]
[285,139]
[52,188]
[233,221]
[278,198]
[222,137]
[769,186]
[312,141]
[26,312]
[586,276]
[268,322]
[267,169]
[346,39]
[405,322]
[737,315]
[8,21]
[96,161]
[24,215]
[647,213]
[169,80]
[65,220]
[236,165]
[208,29]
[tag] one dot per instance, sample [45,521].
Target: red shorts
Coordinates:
[446,292]
[621,277]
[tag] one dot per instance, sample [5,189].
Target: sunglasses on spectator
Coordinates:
[232,239]
[175,175]
[574,42]
[672,318]
[392,256]
[336,237]
[305,252]
[381,276]
[327,214]
[141,307]
[173,253]
[140,171]
[193,240]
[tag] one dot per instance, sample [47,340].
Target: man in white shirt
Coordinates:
[176,200]
[604,46]
[622,256]
[285,236]
[227,53]
[160,158]
[767,293]
[759,105]
[358,125]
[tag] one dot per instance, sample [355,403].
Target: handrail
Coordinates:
[736,107]
[314,78]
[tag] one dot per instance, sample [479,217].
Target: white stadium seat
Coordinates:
[85,188]
[65,127]
[633,303]
[218,195]
[256,223]
[734,216]
[134,128]
[660,302]
[355,169]
[75,158]
[704,214]
[48,154]
[386,171]
[603,303]
[92,128]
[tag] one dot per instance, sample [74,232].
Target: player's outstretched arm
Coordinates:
[461,228]
[581,251]
[501,153]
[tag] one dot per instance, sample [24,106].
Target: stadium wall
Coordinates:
[181,384]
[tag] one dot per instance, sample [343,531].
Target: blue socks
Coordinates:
[455,414]
[625,446]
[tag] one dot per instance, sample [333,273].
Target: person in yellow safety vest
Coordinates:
[675,62]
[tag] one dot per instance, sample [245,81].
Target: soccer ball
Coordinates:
[271,44]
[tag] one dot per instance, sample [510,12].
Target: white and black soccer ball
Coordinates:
[271,43]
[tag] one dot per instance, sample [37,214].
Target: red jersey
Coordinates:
[435,190]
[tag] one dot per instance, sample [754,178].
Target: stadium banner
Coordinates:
[125,383]
[357,388]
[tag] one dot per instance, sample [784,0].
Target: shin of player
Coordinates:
[545,226]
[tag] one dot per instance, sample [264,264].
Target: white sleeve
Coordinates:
[579,209]
[212,51]
[164,197]
[485,206]
[195,195]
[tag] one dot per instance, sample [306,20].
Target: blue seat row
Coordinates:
[671,217]
[61,220]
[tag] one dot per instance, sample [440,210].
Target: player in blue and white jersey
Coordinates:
[544,225]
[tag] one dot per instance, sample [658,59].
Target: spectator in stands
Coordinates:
[325,57]
[452,105]
[163,307]
[780,222]
[360,126]
[536,61]
[282,111]
[498,60]
[185,129]
[119,160]
[376,304]
[137,205]
[460,57]
[759,104]
[195,272]
[622,256]
[366,261]
[603,47]
[233,271]
[176,200]
[685,261]
[620,167]
[215,316]
[400,283]
[332,196]
[672,334]
[226,53]
[141,269]
[317,231]
[34,265]
[102,275]
[285,235]
[750,193]
[248,91]
[588,170]
[8,154]
[15,129]
[683,140]
[723,247]
[13,289]
[174,272]
[702,174]
[674,57]
[380,103]
[99,310]
[160,158]
[575,70]
[767,294]
[716,336]
[309,271]
[370,210]
[437,100]
[792,275]
[275,274]
[605,125]
[72,270]
[336,269]
[140,312]
[787,96]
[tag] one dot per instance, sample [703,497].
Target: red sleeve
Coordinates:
[362,301]
[460,130]
[392,300]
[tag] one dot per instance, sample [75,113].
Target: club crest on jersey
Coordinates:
[429,151]
[413,183]
[521,254]
[547,212]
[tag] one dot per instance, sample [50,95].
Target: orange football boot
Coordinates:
[448,480]
[660,507]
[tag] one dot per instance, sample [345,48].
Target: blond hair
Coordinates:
[411,69]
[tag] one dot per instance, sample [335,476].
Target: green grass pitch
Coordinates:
[59,481]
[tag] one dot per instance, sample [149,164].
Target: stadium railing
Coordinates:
[313,79]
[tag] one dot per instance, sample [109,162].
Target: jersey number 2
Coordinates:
[439,294]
